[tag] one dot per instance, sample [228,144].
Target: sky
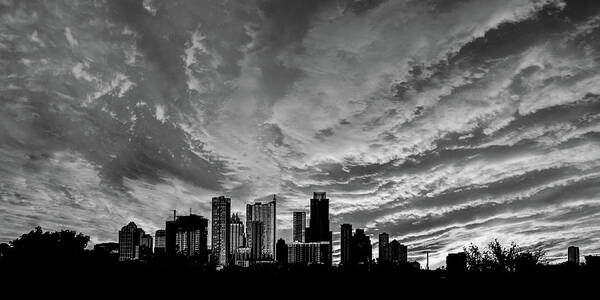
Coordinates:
[440,122]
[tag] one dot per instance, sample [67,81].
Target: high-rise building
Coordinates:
[256,242]
[573,254]
[237,237]
[398,252]
[282,252]
[266,214]
[316,253]
[221,220]
[318,230]
[345,243]
[187,236]
[160,241]
[299,226]
[129,242]
[384,248]
[362,251]
[146,246]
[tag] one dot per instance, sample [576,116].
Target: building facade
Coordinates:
[299,226]
[345,243]
[129,242]
[384,248]
[237,235]
[187,236]
[573,255]
[316,253]
[318,230]
[264,213]
[221,220]
[160,242]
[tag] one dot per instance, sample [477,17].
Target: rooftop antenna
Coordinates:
[190,211]
[427,252]
[174,215]
[274,197]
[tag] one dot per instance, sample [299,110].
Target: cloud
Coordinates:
[440,122]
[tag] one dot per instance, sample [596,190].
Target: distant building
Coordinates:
[256,245]
[318,230]
[237,236]
[592,261]
[384,248]
[398,252]
[281,252]
[187,236]
[129,242]
[243,257]
[264,213]
[160,242]
[345,243]
[299,226]
[456,262]
[107,250]
[146,246]
[361,251]
[221,220]
[573,255]
[316,253]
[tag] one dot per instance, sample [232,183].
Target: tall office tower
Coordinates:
[266,214]
[160,242]
[221,220]
[145,246]
[398,252]
[318,230]
[384,248]
[236,235]
[187,236]
[129,242]
[299,226]
[362,251]
[345,243]
[573,254]
[282,252]
[256,243]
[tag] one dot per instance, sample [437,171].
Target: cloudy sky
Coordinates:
[441,122]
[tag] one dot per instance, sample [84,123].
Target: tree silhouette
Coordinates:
[497,258]
[47,246]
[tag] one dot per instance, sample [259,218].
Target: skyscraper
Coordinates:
[573,254]
[236,236]
[398,252]
[282,252]
[362,251]
[319,219]
[256,244]
[187,236]
[384,249]
[221,220]
[299,226]
[345,243]
[145,245]
[129,242]
[266,214]
[160,241]
[318,231]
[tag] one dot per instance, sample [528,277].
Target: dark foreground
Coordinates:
[139,280]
